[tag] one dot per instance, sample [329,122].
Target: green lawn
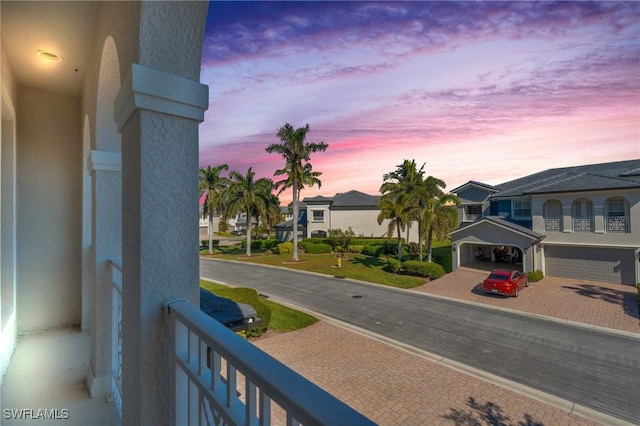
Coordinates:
[355,266]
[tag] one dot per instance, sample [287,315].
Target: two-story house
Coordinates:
[578,222]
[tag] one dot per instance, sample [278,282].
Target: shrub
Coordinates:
[268,252]
[371,241]
[393,265]
[356,249]
[423,269]
[318,248]
[285,248]
[372,250]
[260,244]
[535,276]
[214,243]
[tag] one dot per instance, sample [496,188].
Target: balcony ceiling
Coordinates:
[63,28]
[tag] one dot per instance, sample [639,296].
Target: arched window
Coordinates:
[582,215]
[616,212]
[552,212]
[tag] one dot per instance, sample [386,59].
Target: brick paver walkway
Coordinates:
[395,387]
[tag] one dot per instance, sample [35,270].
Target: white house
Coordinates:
[577,222]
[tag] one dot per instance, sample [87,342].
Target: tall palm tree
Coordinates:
[250,196]
[213,184]
[444,218]
[397,209]
[297,155]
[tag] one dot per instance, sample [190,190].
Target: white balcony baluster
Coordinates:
[582,224]
[116,332]
[552,224]
[208,380]
[617,224]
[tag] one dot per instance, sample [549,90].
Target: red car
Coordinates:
[505,282]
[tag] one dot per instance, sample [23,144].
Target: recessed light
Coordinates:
[49,56]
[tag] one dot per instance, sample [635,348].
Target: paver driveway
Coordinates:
[600,304]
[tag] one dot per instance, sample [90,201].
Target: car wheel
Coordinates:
[516,292]
[526,283]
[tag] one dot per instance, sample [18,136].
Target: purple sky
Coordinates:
[489,91]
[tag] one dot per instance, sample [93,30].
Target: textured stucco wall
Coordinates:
[598,198]
[49,192]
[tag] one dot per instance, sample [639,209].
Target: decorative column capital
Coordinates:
[153,90]
[104,160]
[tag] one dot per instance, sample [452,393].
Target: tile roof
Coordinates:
[592,177]
[503,223]
[351,198]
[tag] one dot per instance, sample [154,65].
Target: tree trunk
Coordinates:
[420,231]
[249,234]
[295,223]
[429,243]
[399,244]
[210,233]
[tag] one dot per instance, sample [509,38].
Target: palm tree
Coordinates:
[444,218]
[297,155]
[250,196]
[213,184]
[397,209]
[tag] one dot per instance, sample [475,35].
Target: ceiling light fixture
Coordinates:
[49,56]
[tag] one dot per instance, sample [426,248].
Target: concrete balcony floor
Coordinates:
[48,371]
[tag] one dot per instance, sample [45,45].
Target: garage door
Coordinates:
[606,265]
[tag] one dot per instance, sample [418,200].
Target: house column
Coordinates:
[106,244]
[158,115]
[598,218]
[567,223]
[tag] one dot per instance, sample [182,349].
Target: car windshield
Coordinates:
[495,276]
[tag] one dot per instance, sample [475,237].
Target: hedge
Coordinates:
[261,244]
[393,265]
[373,250]
[318,248]
[205,243]
[423,269]
[355,249]
[372,241]
[535,275]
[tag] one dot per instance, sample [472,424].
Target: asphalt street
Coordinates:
[593,368]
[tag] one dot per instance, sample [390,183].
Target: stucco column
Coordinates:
[106,244]
[567,223]
[158,116]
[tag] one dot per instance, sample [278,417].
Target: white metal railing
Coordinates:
[617,224]
[115,265]
[582,224]
[222,379]
[553,224]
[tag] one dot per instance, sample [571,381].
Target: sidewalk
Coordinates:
[396,387]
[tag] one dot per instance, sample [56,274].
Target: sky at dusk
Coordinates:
[486,91]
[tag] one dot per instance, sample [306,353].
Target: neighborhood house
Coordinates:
[578,222]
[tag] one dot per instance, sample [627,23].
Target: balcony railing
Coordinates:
[116,332]
[617,224]
[471,217]
[553,224]
[582,224]
[223,379]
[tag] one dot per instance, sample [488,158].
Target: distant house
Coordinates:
[578,222]
[351,209]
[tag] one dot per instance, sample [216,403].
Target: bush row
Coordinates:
[535,276]
[415,267]
[205,243]
[261,244]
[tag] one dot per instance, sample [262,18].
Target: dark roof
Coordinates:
[504,223]
[354,198]
[475,182]
[592,177]
[351,198]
